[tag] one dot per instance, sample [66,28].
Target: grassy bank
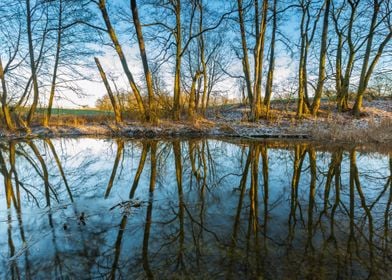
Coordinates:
[76,112]
[375,126]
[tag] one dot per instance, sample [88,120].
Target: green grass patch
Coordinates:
[77,112]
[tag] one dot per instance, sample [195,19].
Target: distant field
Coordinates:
[77,112]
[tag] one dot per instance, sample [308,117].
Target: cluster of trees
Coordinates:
[47,46]
[42,46]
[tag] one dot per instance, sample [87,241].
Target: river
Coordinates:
[90,208]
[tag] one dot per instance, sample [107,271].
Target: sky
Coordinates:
[285,66]
[111,64]
[93,88]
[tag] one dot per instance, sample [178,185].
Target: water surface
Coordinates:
[204,209]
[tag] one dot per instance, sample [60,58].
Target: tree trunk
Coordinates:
[367,70]
[363,83]
[120,53]
[271,67]
[301,70]
[323,57]
[192,96]
[339,76]
[245,59]
[301,106]
[4,106]
[177,73]
[259,58]
[342,88]
[345,86]
[366,59]
[306,40]
[32,65]
[56,64]
[116,109]
[151,114]
[203,63]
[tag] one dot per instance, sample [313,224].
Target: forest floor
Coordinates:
[374,125]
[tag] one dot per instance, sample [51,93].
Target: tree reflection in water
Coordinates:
[91,208]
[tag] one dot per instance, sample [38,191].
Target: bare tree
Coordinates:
[33,65]
[116,108]
[175,31]
[343,75]
[323,58]
[56,63]
[307,30]
[369,63]
[4,99]
[147,74]
[113,36]
[271,66]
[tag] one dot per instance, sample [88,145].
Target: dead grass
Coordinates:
[373,132]
[74,120]
[375,126]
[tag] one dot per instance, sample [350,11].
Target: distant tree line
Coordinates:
[48,46]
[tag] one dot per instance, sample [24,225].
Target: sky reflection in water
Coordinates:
[93,208]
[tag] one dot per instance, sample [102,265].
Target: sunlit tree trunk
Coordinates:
[203,62]
[307,34]
[4,105]
[151,114]
[116,108]
[302,84]
[343,79]
[33,66]
[177,71]
[367,65]
[338,70]
[271,67]
[192,96]
[120,53]
[245,59]
[56,64]
[322,62]
[38,62]
[258,61]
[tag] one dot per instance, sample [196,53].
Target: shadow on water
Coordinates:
[115,209]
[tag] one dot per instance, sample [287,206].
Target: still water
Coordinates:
[194,209]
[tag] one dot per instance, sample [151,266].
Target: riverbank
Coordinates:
[375,126]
